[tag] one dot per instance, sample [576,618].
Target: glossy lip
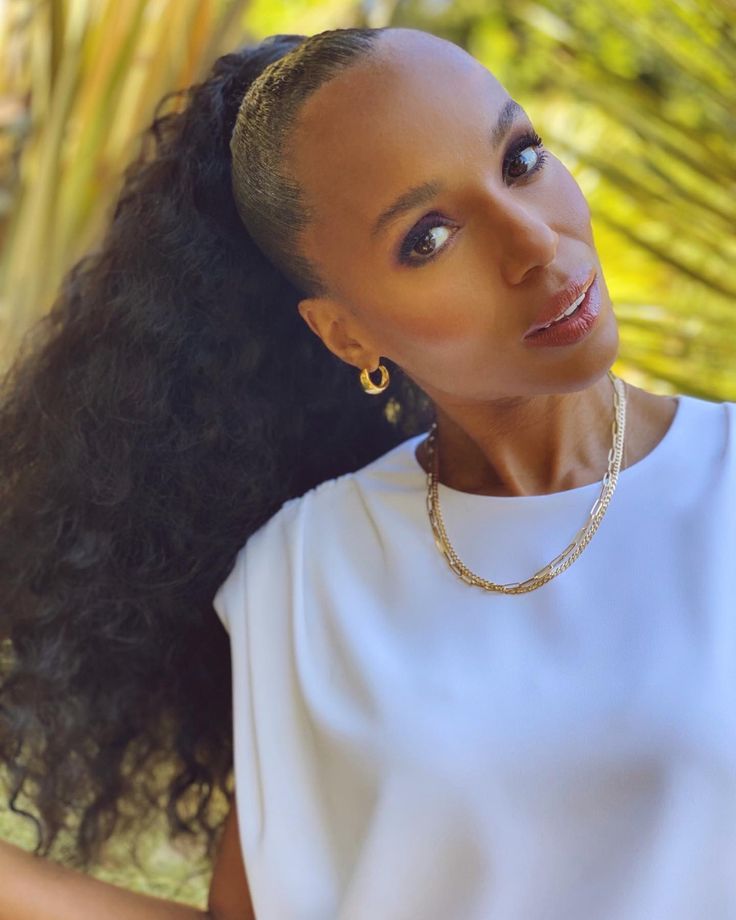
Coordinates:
[561,301]
[573,328]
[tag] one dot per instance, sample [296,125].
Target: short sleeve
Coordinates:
[254,604]
[230,590]
[261,555]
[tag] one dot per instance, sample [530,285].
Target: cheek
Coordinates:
[428,308]
[568,203]
[449,323]
[438,309]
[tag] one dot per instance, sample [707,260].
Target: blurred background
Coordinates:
[637,98]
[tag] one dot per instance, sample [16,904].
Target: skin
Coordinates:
[512,419]
[35,888]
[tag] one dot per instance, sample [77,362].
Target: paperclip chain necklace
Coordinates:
[571,552]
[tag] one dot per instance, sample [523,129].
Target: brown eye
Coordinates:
[525,158]
[519,152]
[425,246]
[425,240]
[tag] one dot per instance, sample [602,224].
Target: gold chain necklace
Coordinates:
[571,552]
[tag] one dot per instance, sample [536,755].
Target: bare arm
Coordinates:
[229,892]
[34,888]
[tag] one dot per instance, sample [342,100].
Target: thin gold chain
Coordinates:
[571,552]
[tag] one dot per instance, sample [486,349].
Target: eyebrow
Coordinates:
[422,194]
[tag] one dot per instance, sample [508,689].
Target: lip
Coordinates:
[573,289]
[573,328]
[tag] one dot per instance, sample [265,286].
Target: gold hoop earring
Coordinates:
[369,386]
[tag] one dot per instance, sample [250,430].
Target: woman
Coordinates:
[550,734]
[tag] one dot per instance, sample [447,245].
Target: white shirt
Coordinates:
[409,747]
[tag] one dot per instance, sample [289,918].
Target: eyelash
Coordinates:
[530,139]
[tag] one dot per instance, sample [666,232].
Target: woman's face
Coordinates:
[446,285]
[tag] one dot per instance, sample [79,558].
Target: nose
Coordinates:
[523,238]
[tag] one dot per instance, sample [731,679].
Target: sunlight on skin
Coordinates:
[513,419]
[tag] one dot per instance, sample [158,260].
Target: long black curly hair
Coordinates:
[168,403]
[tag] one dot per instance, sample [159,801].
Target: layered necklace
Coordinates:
[571,552]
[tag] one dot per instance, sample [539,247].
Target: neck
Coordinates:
[528,446]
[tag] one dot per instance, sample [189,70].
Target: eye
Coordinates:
[425,241]
[528,141]
[429,235]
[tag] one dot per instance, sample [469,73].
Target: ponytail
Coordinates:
[167,405]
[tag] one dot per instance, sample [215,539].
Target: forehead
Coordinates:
[387,122]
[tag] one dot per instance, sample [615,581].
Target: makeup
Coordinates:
[572,328]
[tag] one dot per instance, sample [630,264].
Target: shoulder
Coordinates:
[729,409]
[262,558]
[700,448]
[336,501]
[332,515]
[710,421]
[726,410]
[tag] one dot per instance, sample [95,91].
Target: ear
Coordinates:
[339,332]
